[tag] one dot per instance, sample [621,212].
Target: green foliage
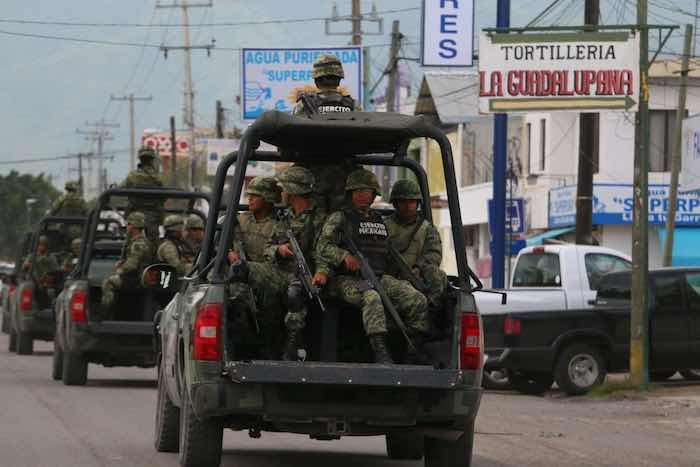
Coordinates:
[15,190]
[614,388]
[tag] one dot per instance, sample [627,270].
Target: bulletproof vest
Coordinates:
[332,101]
[371,237]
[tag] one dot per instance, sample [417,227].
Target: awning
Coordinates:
[685,245]
[539,239]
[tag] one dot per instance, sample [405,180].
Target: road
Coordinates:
[109,423]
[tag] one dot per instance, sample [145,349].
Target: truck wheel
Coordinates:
[443,453]
[579,368]
[12,341]
[57,367]
[404,446]
[661,375]
[691,375]
[531,383]
[167,435]
[25,344]
[497,379]
[74,369]
[200,439]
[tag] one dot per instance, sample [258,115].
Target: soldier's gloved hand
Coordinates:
[351,263]
[285,251]
[319,279]
[232,257]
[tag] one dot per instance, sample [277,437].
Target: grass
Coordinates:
[618,387]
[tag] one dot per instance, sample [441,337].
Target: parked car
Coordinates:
[577,348]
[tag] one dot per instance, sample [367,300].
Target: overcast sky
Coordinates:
[50,87]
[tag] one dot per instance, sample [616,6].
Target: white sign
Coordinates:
[448,33]
[690,172]
[161,142]
[217,149]
[272,77]
[587,72]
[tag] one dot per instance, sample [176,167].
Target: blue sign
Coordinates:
[515,215]
[448,33]
[613,203]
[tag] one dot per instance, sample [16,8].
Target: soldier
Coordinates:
[137,253]
[371,236]
[194,234]
[70,203]
[329,192]
[146,176]
[72,258]
[416,239]
[46,267]
[173,249]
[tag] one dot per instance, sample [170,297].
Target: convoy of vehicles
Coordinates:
[207,383]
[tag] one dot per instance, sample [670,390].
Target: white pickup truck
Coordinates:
[546,278]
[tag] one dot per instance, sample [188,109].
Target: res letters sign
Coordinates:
[448,33]
[587,72]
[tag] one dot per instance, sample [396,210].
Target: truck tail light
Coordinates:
[470,342]
[207,332]
[25,301]
[511,326]
[77,306]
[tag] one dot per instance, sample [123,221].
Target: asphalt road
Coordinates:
[109,423]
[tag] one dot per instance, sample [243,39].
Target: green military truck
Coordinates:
[210,378]
[31,309]
[124,339]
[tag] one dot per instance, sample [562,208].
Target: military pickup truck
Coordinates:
[577,348]
[209,379]
[125,339]
[31,310]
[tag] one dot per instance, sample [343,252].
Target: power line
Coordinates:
[58,158]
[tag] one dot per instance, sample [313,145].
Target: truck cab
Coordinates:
[209,379]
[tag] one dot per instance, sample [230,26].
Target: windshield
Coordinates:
[537,270]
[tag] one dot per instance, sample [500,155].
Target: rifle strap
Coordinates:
[419,223]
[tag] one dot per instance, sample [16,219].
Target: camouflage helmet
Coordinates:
[194,222]
[362,179]
[147,152]
[296,180]
[71,186]
[173,222]
[405,189]
[137,219]
[328,65]
[266,187]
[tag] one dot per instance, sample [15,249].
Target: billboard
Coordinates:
[579,72]
[690,166]
[613,203]
[448,33]
[160,140]
[271,76]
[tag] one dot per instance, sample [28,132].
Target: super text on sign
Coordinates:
[558,72]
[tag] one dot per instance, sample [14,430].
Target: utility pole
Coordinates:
[639,318]
[676,160]
[588,140]
[392,82]
[173,152]
[189,87]
[100,135]
[80,157]
[500,155]
[132,146]
[219,120]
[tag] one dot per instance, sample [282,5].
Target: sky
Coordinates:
[52,87]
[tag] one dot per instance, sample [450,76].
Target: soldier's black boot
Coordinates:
[380,349]
[292,345]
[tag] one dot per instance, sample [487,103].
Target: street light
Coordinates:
[28,203]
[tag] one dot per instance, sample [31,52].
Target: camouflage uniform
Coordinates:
[418,242]
[70,203]
[327,99]
[255,233]
[137,253]
[193,244]
[45,266]
[173,249]
[371,237]
[71,259]
[146,176]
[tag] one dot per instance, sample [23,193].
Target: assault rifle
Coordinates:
[371,278]
[242,263]
[303,271]
[405,271]
[310,107]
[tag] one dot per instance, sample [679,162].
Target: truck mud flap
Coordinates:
[130,328]
[356,374]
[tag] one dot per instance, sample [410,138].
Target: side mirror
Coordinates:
[159,277]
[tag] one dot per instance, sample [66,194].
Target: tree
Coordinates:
[17,216]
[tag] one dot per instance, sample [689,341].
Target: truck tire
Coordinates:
[75,369]
[497,379]
[25,344]
[200,439]
[531,383]
[167,429]
[57,363]
[691,375]
[404,446]
[12,341]
[579,368]
[444,453]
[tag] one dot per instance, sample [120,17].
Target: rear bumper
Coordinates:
[367,399]
[115,343]
[38,323]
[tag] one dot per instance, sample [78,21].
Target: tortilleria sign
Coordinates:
[589,72]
